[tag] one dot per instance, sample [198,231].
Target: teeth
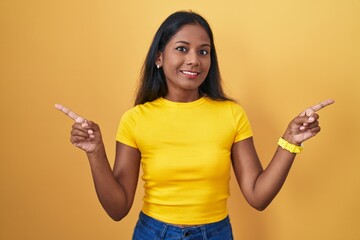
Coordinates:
[190,73]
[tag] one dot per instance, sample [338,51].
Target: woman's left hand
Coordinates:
[305,125]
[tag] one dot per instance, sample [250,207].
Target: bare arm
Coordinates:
[115,188]
[259,186]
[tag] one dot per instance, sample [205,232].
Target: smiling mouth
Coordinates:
[189,73]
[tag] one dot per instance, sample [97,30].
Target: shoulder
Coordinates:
[141,109]
[233,106]
[232,109]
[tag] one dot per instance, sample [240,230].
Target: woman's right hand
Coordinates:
[85,134]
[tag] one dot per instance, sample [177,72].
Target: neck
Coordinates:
[182,97]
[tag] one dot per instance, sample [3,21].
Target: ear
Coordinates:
[159,59]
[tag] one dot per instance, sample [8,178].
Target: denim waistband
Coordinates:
[169,230]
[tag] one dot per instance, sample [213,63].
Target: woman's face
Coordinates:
[186,61]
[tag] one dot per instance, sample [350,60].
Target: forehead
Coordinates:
[192,33]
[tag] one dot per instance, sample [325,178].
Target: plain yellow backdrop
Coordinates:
[276,58]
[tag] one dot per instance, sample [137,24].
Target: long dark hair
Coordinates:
[153,81]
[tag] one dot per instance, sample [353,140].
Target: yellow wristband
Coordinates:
[289,147]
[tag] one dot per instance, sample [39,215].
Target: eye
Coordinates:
[181,49]
[203,52]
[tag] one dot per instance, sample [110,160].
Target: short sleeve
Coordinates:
[242,124]
[126,130]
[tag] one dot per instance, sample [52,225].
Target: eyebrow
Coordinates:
[202,45]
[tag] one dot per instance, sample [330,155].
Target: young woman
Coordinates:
[186,134]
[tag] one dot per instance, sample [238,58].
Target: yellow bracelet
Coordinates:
[288,146]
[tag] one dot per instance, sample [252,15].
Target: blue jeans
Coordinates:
[148,228]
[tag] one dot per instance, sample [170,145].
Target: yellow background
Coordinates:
[276,57]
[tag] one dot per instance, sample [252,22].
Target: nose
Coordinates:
[192,59]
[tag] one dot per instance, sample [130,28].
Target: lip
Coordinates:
[190,74]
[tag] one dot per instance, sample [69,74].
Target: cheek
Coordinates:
[170,70]
[207,65]
[172,64]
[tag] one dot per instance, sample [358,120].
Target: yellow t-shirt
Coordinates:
[185,156]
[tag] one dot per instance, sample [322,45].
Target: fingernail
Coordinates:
[85,124]
[90,131]
[311,119]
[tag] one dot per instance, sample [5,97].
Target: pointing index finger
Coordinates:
[70,113]
[321,105]
[317,107]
